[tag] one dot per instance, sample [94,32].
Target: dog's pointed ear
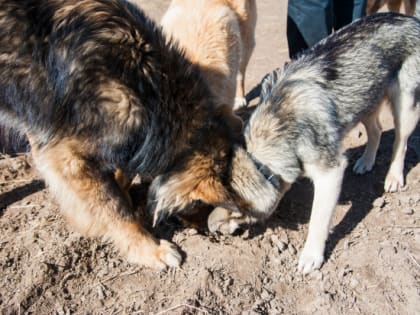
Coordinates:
[267,84]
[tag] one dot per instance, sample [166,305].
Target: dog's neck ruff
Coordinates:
[265,171]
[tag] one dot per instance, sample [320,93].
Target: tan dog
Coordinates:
[218,35]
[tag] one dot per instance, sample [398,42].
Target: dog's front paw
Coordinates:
[223,221]
[363,165]
[158,254]
[393,183]
[310,260]
[168,254]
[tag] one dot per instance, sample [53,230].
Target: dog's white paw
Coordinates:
[168,254]
[393,183]
[239,102]
[156,254]
[363,165]
[310,260]
[224,221]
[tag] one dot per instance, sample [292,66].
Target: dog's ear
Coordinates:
[267,84]
[177,192]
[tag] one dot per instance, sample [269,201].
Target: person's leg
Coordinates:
[308,21]
[346,11]
[295,39]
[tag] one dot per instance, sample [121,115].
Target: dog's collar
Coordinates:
[265,171]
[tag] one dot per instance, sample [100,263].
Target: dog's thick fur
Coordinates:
[98,88]
[373,6]
[218,35]
[308,107]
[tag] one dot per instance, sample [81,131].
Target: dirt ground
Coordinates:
[373,256]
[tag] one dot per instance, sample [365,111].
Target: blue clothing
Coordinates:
[313,20]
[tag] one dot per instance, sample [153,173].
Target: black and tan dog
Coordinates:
[96,87]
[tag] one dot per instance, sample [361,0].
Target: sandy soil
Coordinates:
[373,259]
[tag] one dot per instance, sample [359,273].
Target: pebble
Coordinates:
[354,283]
[346,245]
[284,238]
[317,275]
[245,235]
[292,250]
[379,202]
[408,211]
[191,232]
[278,243]
[266,295]
[269,231]
[101,293]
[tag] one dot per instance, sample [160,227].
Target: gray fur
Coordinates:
[307,108]
[304,115]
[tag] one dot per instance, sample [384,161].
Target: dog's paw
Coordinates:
[310,260]
[363,165]
[393,183]
[223,221]
[239,102]
[168,254]
[154,254]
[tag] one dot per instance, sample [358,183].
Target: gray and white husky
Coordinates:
[307,108]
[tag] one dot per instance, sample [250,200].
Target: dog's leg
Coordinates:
[248,9]
[94,203]
[373,128]
[240,99]
[124,182]
[327,187]
[406,115]
[373,6]
[394,5]
[409,7]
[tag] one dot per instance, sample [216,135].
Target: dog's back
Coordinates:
[210,33]
[356,66]
[218,35]
[307,107]
[68,69]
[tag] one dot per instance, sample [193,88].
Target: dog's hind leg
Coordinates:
[394,5]
[404,95]
[373,128]
[327,187]
[93,202]
[409,7]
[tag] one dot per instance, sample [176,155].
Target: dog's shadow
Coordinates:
[16,194]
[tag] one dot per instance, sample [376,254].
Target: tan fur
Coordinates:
[92,202]
[219,36]
[198,183]
[373,6]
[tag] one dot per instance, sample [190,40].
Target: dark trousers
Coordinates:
[309,21]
